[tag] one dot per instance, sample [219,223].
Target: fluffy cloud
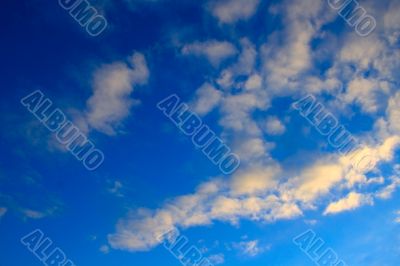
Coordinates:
[141,230]
[254,82]
[252,148]
[214,51]
[393,113]
[313,182]
[255,180]
[112,87]
[262,190]
[274,126]
[391,21]
[207,98]
[258,194]
[230,11]
[366,93]
[361,51]
[285,62]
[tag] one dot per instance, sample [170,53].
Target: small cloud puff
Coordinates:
[231,11]
[214,51]
[250,248]
[274,126]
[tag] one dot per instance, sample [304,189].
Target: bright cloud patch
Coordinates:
[214,51]
[207,98]
[230,11]
[274,126]
[240,95]
[112,87]
[239,65]
[350,202]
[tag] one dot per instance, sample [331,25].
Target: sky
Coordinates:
[100,111]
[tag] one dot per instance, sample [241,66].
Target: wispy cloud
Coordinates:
[250,248]
[352,201]
[286,64]
[217,259]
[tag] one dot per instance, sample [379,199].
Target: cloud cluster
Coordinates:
[285,65]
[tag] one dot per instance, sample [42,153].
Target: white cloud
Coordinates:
[252,148]
[254,82]
[352,201]
[214,51]
[237,109]
[245,65]
[112,87]
[141,230]
[393,113]
[366,92]
[274,126]
[361,51]
[116,188]
[285,61]
[313,182]
[250,248]
[231,11]
[262,190]
[206,99]
[387,191]
[33,214]
[255,180]
[105,249]
[258,194]
[217,259]
[391,21]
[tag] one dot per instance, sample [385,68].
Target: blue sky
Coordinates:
[239,65]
